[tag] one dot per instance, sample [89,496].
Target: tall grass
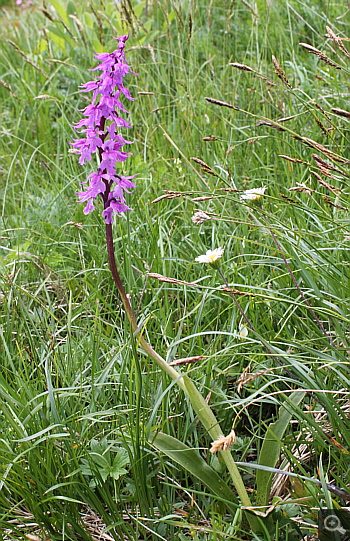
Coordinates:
[74,398]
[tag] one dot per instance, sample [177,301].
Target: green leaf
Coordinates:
[121,459]
[270,450]
[191,461]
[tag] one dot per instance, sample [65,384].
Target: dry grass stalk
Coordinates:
[325,184]
[329,187]
[301,187]
[338,41]
[324,150]
[294,160]
[246,378]
[323,128]
[318,106]
[170,194]
[237,292]
[243,67]
[223,443]
[270,125]
[206,168]
[77,225]
[280,73]
[320,55]
[162,278]
[340,112]
[210,138]
[229,190]
[166,196]
[331,204]
[26,58]
[289,199]
[187,360]
[200,217]
[203,198]
[221,103]
[8,87]
[325,172]
[320,162]
[287,118]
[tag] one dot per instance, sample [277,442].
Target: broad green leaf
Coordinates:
[121,459]
[270,450]
[191,461]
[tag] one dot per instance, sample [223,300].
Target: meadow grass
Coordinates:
[77,405]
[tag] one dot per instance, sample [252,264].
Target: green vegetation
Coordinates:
[95,441]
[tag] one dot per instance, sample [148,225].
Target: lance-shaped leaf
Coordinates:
[191,461]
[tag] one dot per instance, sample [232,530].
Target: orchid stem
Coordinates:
[203,410]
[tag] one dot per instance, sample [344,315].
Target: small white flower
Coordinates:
[211,256]
[243,331]
[253,195]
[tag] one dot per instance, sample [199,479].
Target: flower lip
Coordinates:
[253,195]
[211,256]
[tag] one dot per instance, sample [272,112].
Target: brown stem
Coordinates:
[175,375]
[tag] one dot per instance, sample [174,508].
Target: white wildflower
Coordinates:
[211,256]
[243,331]
[253,195]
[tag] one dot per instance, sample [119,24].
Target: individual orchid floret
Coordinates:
[211,257]
[100,128]
[254,195]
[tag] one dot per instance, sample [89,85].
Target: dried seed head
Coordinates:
[318,106]
[322,163]
[187,360]
[294,160]
[301,187]
[330,202]
[324,150]
[203,198]
[270,125]
[280,73]
[166,196]
[223,443]
[287,198]
[325,184]
[221,103]
[340,112]
[243,67]
[320,54]
[162,278]
[200,217]
[320,125]
[338,41]
[207,169]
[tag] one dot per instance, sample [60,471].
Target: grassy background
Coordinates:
[67,377]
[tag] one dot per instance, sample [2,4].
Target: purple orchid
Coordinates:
[100,125]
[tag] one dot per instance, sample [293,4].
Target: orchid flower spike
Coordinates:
[101,135]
